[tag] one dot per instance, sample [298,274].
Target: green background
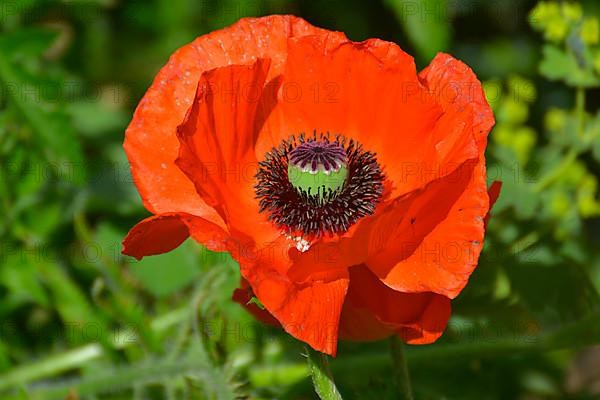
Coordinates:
[76,317]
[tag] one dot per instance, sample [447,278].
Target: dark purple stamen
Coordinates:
[329,156]
[326,212]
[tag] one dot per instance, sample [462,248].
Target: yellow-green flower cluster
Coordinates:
[597,62]
[555,120]
[590,31]
[586,184]
[512,112]
[554,19]
[557,20]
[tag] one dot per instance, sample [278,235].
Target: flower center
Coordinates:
[312,186]
[318,168]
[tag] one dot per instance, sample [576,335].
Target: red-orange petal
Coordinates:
[243,296]
[309,312]
[444,259]
[493,193]
[369,92]
[217,145]
[458,90]
[164,232]
[373,311]
[151,143]
[429,240]
[431,243]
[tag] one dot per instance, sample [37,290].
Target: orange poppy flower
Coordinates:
[350,188]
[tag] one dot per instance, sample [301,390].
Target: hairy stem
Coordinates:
[400,368]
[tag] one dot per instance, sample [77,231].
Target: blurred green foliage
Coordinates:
[77,317]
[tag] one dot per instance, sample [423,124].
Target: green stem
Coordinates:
[581,333]
[113,380]
[59,363]
[524,243]
[401,368]
[557,171]
[572,154]
[322,378]
[51,365]
[580,110]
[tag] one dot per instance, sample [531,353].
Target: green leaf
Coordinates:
[572,296]
[426,23]
[28,42]
[593,133]
[318,364]
[43,220]
[167,273]
[49,121]
[96,119]
[68,298]
[117,379]
[21,279]
[111,185]
[517,183]
[557,64]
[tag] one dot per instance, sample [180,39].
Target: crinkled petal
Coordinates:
[493,193]
[445,257]
[164,232]
[428,240]
[458,91]
[243,296]
[217,141]
[369,92]
[151,143]
[432,243]
[373,311]
[309,312]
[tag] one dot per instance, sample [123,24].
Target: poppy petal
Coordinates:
[444,259]
[164,232]
[309,312]
[150,141]
[418,318]
[493,193]
[359,324]
[391,113]
[459,91]
[428,240]
[243,296]
[217,139]
[436,241]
